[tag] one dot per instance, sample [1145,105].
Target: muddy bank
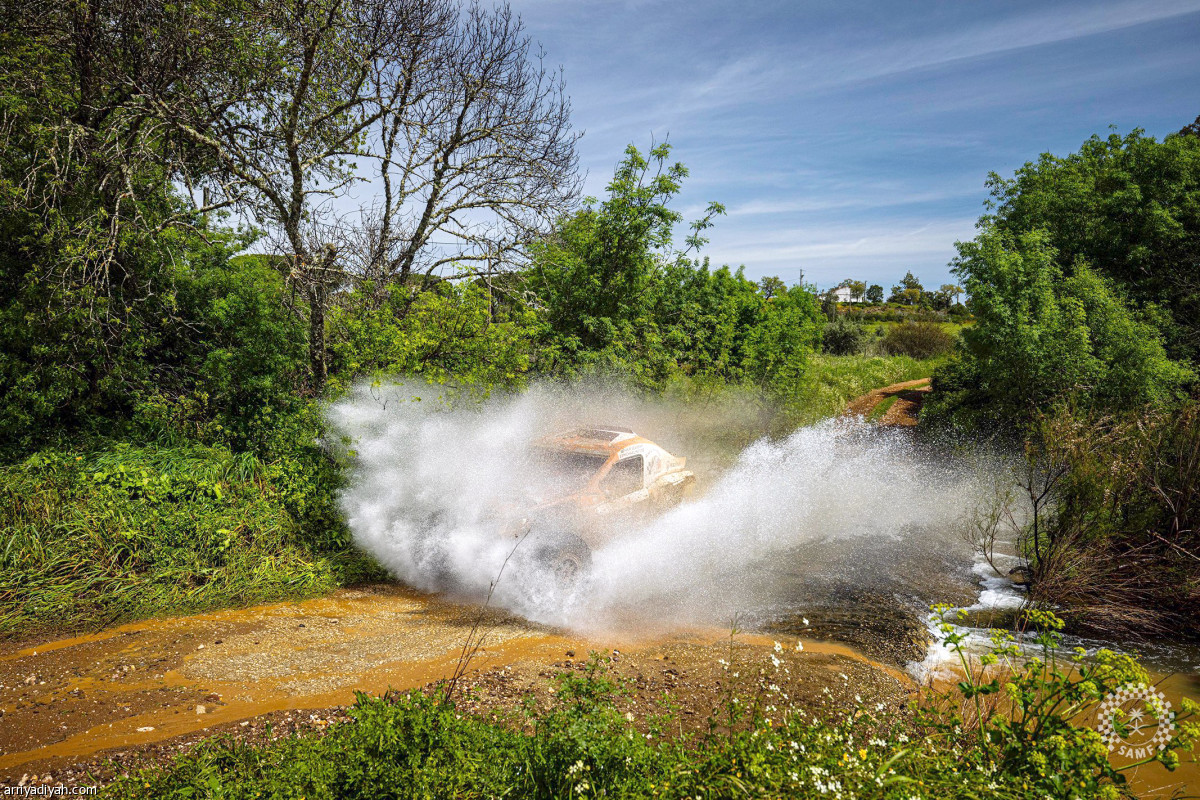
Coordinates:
[103,703]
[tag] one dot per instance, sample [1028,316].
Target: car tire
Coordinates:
[566,558]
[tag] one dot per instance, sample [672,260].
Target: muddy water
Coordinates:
[153,680]
[130,687]
[1153,780]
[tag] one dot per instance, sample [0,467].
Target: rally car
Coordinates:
[588,486]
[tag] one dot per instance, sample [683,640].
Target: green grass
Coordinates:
[94,538]
[833,381]
[881,409]
[952,328]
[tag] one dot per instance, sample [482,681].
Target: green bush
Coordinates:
[97,537]
[1041,336]
[1129,207]
[448,331]
[917,340]
[842,337]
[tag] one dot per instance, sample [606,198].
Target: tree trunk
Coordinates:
[316,339]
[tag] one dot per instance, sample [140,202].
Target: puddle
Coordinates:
[149,681]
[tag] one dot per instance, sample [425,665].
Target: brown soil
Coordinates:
[88,708]
[910,396]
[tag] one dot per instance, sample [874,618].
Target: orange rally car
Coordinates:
[587,487]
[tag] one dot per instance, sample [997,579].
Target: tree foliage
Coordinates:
[1041,336]
[1127,207]
[619,296]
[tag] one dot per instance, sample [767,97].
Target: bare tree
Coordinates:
[484,162]
[438,106]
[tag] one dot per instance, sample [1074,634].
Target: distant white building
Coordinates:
[842,294]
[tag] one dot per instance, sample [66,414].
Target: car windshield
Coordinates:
[556,473]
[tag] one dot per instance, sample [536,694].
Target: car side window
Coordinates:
[624,478]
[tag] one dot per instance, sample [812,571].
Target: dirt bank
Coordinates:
[106,702]
[905,409]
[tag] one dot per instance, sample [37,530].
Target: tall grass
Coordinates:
[94,538]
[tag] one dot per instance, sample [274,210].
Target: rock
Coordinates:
[146,729]
[1021,576]
[985,617]
[201,710]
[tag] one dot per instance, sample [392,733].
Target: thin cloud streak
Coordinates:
[855,137]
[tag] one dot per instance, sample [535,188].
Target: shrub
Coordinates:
[97,537]
[1117,538]
[917,339]
[1042,336]
[843,338]
[1023,708]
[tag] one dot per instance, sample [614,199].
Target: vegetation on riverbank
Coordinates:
[1084,291]
[190,473]
[104,536]
[1015,735]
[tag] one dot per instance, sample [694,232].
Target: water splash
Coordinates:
[840,501]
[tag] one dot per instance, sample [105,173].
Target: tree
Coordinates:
[616,294]
[482,153]
[444,107]
[908,291]
[771,286]
[1129,207]
[875,294]
[951,292]
[595,272]
[1041,337]
[94,239]
[857,290]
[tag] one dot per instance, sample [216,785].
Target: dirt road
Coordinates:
[909,397]
[108,701]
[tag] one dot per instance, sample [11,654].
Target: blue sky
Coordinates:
[853,139]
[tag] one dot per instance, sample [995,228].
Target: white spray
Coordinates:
[840,498]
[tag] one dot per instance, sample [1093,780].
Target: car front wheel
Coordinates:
[566,557]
